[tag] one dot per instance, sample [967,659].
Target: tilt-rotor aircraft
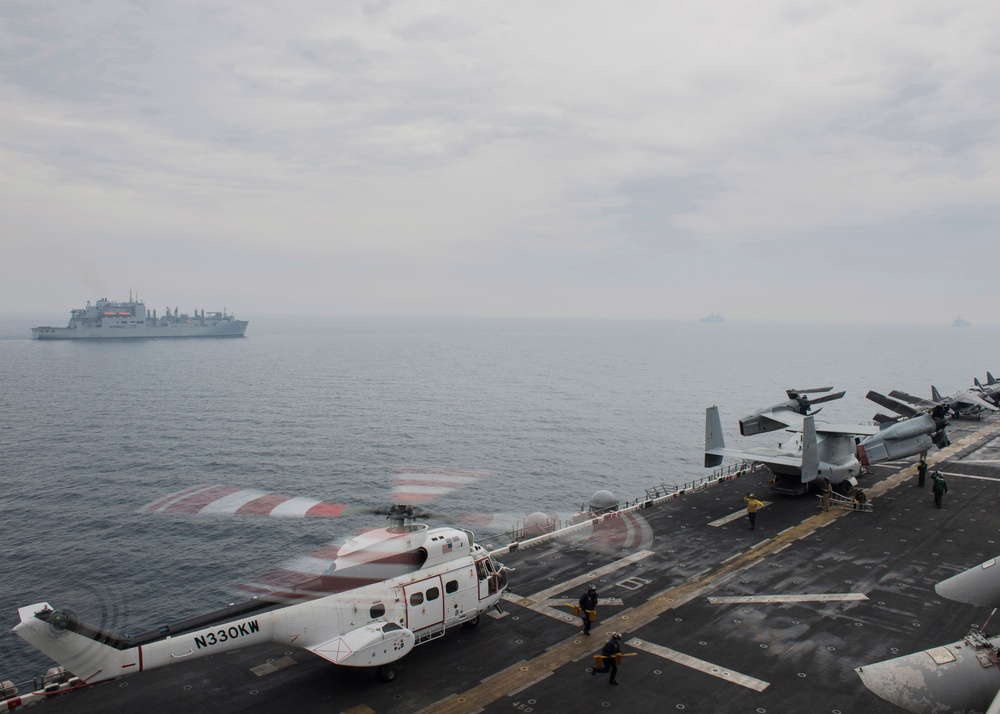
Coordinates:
[963,403]
[817,451]
[382,593]
[836,452]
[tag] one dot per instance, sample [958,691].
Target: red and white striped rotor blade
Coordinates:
[235,501]
[421,484]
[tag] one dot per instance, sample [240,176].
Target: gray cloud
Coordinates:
[594,159]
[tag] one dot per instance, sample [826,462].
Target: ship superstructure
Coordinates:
[122,319]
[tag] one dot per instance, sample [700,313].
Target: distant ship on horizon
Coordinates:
[714,317]
[111,319]
[959,322]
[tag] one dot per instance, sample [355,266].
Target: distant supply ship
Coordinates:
[714,317]
[959,322]
[110,319]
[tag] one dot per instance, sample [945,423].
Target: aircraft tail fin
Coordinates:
[935,394]
[810,450]
[713,437]
[978,383]
[990,379]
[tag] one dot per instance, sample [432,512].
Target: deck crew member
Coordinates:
[588,608]
[921,472]
[827,490]
[940,487]
[752,505]
[611,648]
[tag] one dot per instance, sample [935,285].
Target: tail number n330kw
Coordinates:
[224,635]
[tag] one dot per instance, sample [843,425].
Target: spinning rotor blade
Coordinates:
[417,484]
[412,485]
[234,501]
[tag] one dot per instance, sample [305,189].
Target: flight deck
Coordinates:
[718,616]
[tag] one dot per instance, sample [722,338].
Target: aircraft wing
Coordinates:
[848,429]
[969,399]
[839,429]
[763,454]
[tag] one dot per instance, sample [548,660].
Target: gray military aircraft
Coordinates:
[818,451]
[913,431]
[836,452]
[990,390]
[963,403]
[959,677]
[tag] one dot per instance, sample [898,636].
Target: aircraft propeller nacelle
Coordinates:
[901,439]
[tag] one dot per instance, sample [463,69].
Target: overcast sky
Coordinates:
[765,160]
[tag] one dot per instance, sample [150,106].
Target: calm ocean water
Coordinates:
[549,411]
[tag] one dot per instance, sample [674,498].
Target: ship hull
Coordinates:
[229,328]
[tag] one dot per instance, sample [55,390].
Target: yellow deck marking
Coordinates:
[733,516]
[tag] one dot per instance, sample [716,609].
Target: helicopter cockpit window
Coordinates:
[433,593]
[416,599]
[451,586]
[377,611]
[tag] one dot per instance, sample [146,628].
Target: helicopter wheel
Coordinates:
[387,673]
[471,623]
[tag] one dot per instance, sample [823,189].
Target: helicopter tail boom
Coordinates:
[95,656]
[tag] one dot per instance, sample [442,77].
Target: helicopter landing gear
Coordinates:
[469,624]
[387,673]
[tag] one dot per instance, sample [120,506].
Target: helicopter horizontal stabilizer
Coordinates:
[370,646]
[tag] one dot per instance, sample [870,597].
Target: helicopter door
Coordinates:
[487,578]
[424,604]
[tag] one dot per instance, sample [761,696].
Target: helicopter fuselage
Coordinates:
[372,625]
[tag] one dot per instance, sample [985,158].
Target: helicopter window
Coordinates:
[377,610]
[433,593]
[451,586]
[390,626]
[416,598]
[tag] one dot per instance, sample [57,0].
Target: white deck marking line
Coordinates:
[733,516]
[978,478]
[539,601]
[977,461]
[701,665]
[566,602]
[823,597]
[593,574]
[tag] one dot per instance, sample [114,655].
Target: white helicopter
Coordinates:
[385,592]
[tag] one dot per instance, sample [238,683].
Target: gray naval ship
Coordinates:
[810,611]
[112,319]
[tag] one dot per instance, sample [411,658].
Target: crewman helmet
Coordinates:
[592,589]
[616,635]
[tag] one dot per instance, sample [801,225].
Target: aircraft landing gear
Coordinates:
[387,673]
[471,623]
